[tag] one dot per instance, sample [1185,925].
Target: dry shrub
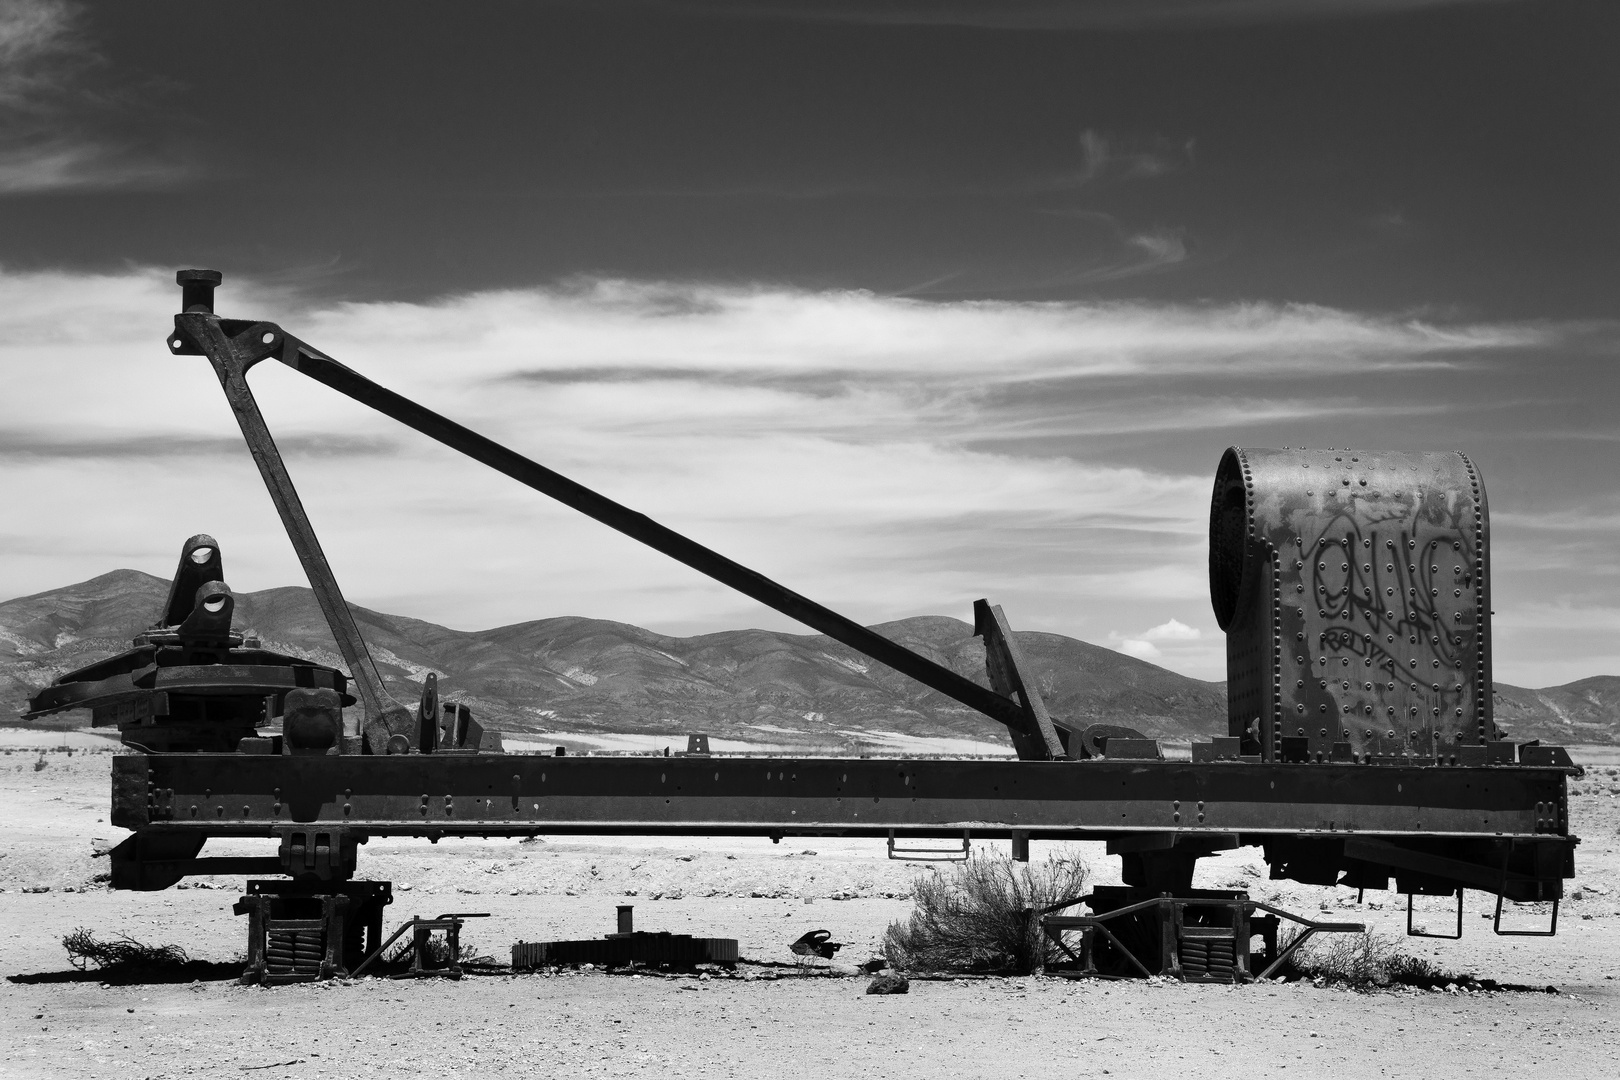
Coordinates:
[1364,961]
[976,916]
[85,950]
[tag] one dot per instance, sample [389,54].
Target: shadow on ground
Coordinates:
[190,971]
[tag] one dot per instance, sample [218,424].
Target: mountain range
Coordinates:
[593,678]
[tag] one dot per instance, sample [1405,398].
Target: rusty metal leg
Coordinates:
[453,937]
[255,908]
[334,909]
[1170,937]
[419,945]
[1240,930]
[1088,955]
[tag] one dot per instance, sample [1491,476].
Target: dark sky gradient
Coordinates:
[1459,159]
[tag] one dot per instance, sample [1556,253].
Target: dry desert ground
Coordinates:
[768,1021]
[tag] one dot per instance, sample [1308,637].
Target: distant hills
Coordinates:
[584,676]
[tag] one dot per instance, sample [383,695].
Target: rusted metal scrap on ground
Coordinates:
[1361,750]
[627,948]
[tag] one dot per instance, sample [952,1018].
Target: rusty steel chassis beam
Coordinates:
[1497,813]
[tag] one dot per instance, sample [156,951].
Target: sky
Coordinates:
[900,303]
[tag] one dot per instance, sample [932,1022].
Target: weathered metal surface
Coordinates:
[240,794]
[200,563]
[650,949]
[1004,663]
[234,346]
[299,934]
[1353,589]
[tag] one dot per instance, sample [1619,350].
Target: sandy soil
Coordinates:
[776,1021]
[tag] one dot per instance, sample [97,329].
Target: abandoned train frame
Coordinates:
[1361,749]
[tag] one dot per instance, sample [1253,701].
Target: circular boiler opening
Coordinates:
[1228,537]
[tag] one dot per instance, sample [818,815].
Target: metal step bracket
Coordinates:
[1551,931]
[1411,932]
[929,854]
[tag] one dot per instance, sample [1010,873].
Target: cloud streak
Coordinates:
[1102,160]
[34,35]
[768,333]
[19,444]
[48,141]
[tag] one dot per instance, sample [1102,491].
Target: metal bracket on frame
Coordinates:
[1496,924]
[1410,932]
[923,854]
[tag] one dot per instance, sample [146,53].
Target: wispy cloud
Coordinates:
[35,165]
[1174,630]
[1163,247]
[1142,650]
[1101,160]
[780,332]
[53,135]
[1185,645]
[1104,160]
[1602,515]
[23,445]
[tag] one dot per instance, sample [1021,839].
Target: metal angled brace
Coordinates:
[1311,926]
[449,923]
[1054,926]
[1004,662]
[234,346]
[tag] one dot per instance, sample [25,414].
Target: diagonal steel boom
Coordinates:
[251,342]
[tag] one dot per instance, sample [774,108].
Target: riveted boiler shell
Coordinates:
[1354,590]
